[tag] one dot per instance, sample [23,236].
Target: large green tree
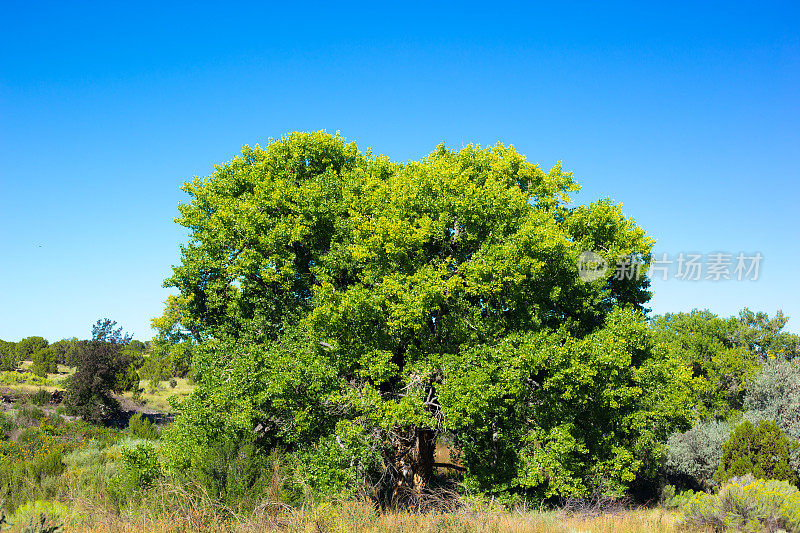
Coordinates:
[335,293]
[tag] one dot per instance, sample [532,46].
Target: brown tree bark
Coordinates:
[413,461]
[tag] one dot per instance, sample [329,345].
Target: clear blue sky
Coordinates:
[688,115]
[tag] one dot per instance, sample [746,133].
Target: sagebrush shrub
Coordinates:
[693,456]
[761,450]
[747,505]
[30,468]
[30,515]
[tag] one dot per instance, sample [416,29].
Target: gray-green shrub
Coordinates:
[694,455]
[775,395]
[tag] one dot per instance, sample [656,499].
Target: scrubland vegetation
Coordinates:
[362,345]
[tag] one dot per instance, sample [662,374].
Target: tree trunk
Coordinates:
[413,461]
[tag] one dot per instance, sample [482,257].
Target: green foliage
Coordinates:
[42,516]
[761,450]
[9,359]
[40,397]
[45,361]
[774,394]
[694,456]
[29,346]
[23,378]
[30,467]
[126,379]
[140,466]
[565,430]
[102,367]
[672,499]
[339,465]
[142,428]
[746,505]
[723,354]
[7,424]
[328,286]
[229,468]
[66,351]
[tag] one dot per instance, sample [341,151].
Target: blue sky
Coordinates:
[688,115]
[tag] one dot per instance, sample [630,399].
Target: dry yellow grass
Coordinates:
[359,517]
[158,399]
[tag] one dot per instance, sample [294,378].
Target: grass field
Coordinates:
[154,399]
[360,517]
[157,398]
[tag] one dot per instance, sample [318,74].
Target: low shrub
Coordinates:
[30,468]
[672,499]
[88,470]
[7,423]
[762,450]
[42,516]
[234,470]
[747,505]
[140,427]
[139,469]
[14,377]
[693,456]
[40,397]
[29,414]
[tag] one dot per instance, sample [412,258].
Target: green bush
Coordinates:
[40,397]
[24,378]
[142,428]
[8,355]
[7,424]
[139,469]
[747,505]
[693,456]
[672,499]
[28,414]
[42,516]
[232,468]
[775,395]
[140,464]
[761,450]
[30,468]
[45,361]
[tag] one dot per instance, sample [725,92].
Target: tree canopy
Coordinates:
[335,293]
